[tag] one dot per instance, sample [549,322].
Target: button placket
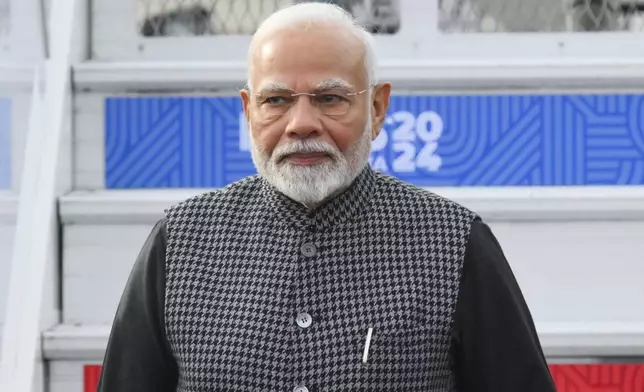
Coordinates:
[304,319]
[308,250]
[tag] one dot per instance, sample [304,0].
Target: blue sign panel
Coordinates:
[5,143]
[479,140]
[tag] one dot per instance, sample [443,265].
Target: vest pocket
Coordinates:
[399,359]
[396,347]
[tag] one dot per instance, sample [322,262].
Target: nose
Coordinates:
[304,120]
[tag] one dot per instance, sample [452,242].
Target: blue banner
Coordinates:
[477,140]
[5,143]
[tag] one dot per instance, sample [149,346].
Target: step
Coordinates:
[75,352]
[600,222]
[560,341]
[102,234]
[116,101]
[8,209]
[68,350]
[455,75]
[554,238]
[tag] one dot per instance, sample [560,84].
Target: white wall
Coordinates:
[88,144]
[66,376]
[20,110]
[578,271]
[7,226]
[97,260]
[6,248]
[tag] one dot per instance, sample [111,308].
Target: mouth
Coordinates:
[307,159]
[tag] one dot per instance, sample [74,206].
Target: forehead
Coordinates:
[304,58]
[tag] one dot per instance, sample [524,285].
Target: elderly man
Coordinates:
[319,274]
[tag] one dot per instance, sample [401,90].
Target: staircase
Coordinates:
[559,241]
[576,251]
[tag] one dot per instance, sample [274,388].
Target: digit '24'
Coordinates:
[408,130]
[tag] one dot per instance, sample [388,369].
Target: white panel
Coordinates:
[8,206]
[97,262]
[6,248]
[20,110]
[578,271]
[25,39]
[89,141]
[108,41]
[124,43]
[67,376]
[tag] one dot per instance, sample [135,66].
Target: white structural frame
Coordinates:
[419,38]
[20,52]
[31,305]
[418,57]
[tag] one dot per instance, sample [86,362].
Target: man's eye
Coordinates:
[330,98]
[275,100]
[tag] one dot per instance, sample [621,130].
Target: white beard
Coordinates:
[311,185]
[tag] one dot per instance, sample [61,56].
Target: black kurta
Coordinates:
[495,346]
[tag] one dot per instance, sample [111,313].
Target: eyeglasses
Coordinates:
[333,102]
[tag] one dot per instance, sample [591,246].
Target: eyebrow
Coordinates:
[269,87]
[327,84]
[331,84]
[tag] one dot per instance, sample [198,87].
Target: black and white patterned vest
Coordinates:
[243,262]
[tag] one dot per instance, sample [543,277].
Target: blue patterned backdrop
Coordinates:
[487,140]
[5,143]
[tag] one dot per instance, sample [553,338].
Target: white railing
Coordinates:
[31,305]
[609,74]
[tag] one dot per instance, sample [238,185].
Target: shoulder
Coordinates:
[398,194]
[213,202]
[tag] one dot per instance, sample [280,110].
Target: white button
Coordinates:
[308,250]
[304,320]
[301,388]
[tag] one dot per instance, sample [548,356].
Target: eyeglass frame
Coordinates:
[352,94]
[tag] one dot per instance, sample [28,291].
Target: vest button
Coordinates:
[301,388]
[308,250]
[304,320]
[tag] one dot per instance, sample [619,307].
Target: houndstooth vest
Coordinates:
[264,295]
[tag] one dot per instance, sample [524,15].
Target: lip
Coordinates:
[307,159]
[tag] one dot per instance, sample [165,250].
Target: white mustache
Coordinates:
[304,147]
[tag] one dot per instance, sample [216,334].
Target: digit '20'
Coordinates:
[412,141]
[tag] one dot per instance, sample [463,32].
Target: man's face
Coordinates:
[312,146]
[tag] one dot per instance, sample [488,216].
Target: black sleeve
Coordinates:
[495,343]
[138,357]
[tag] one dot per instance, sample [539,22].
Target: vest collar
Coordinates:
[341,207]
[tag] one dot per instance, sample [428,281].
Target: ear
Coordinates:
[380,105]
[245,97]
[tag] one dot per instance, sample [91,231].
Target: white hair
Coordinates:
[304,14]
